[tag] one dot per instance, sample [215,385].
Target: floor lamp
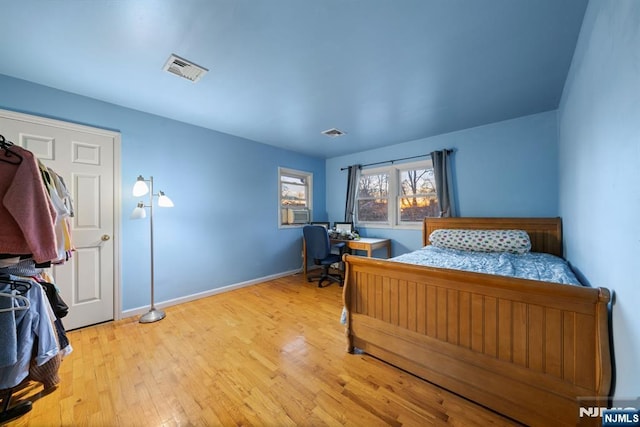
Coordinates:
[140,189]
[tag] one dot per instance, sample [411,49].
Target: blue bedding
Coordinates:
[530,265]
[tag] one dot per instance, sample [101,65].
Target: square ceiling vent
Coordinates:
[183,68]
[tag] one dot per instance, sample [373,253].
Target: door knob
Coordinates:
[105,237]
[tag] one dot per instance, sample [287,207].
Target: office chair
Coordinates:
[316,238]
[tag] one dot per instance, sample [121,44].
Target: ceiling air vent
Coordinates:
[183,68]
[333,132]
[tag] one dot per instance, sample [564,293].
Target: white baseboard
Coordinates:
[141,310]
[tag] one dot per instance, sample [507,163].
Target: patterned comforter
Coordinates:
[530,265]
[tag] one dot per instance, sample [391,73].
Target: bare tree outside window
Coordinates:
[293,191]
[398,195]
[418,197]
[373,197]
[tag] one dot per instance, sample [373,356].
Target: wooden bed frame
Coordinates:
[526,349]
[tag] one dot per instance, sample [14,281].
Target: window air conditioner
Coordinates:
[298,216]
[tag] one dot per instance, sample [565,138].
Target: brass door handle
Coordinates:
[105,237]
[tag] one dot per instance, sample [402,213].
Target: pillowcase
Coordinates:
[513,241]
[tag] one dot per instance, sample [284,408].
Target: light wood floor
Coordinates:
[267,355]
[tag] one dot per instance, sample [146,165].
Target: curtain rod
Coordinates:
[394,160]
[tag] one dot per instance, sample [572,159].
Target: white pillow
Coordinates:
[514,241]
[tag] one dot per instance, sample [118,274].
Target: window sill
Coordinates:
[285,226]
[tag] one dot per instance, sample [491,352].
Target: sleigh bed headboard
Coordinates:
[545,233]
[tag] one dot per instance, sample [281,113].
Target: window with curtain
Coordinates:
[396,195]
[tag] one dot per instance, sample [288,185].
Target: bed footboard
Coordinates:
[523,348]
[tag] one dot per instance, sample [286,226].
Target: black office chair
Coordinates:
[316,238]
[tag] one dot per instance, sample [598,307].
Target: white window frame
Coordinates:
[393,204]
[309,202]
[389,198]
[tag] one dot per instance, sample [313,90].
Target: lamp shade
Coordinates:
[164,201]
[139,212]
[140,188]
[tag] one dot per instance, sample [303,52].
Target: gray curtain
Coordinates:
[352,188]
[442,173]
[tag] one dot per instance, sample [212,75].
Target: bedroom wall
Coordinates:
[223,229]
[508,168]
[599,144]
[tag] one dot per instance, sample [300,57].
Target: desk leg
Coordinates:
[304,259]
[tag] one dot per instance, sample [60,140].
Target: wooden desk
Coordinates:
[368,244]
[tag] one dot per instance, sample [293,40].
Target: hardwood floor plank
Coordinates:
[272,354]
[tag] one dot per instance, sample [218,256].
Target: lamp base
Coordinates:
[152,315]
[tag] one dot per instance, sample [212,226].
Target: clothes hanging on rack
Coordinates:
[35,207]
[20,178]
[63,205]
[26,212]
[29,274]
[34,354]
[59,309]
[35,335]
[10,302]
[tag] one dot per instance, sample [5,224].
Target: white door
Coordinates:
[86,158]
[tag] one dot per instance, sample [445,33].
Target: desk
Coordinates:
[367,244]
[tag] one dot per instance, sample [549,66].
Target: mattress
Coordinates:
[530,265]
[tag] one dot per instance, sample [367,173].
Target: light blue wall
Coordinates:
[223,229]
[599,138]
[508,168]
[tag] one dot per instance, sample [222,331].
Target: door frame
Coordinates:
[117,191]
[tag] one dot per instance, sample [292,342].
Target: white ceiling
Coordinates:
[282,71]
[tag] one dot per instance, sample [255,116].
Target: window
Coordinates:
[373,197]
[397,195]
[295,196]
[417,194]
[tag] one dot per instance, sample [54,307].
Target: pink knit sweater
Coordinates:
[26,214]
